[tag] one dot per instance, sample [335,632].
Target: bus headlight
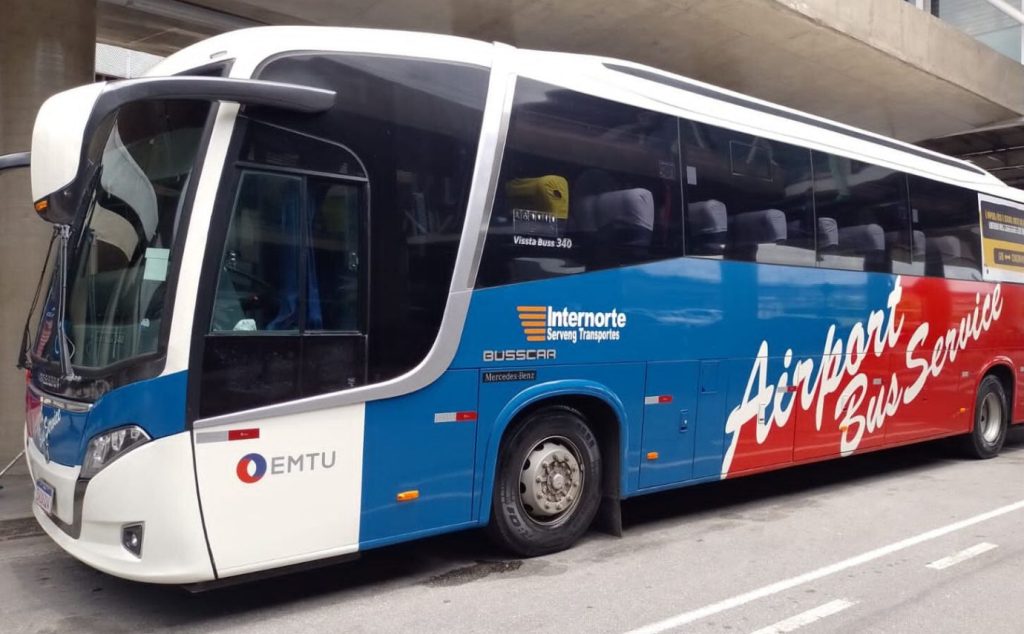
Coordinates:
[109,446]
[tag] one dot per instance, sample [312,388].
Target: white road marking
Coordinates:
[963,555]
[806,618]
[814,575]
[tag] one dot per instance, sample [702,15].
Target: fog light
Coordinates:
[131,538]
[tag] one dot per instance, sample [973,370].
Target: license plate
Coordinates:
[44,496]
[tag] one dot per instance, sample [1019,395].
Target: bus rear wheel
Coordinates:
[548,483]
[991,418]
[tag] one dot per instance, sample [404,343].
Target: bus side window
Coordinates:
[868,204]
[748,198]
[586,184]
[946,219]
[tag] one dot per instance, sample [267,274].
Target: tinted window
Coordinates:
[337,215]
[862,220]
[414,124]
[747,198]
[585,184]
[946,228]
[288,318]
[259,276]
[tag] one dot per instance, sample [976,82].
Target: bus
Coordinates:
[320,290]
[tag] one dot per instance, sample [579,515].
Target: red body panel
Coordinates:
[907,372]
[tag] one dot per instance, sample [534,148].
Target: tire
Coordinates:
[546,446]
[991,419]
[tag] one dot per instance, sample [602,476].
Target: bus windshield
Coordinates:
[125,236]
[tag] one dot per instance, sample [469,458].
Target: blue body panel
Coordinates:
[682,309]
[157,405]
[404,450]
[668,427]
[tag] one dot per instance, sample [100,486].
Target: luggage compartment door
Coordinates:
[670,408]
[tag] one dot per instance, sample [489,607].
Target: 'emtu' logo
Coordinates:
[534,320]
[257,470]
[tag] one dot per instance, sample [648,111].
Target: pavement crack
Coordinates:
[19,528]
[473,572]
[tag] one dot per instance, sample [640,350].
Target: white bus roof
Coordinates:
[606,77]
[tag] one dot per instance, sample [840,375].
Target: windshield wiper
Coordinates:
[66,369]
[23,159]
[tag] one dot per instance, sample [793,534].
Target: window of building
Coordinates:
[862,218]
[586,184]
[946,225]
[747,198]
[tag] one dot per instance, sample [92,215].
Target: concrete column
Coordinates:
[46,46]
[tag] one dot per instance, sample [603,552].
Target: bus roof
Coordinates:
[607,77]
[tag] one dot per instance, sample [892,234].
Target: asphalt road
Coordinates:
[908,540]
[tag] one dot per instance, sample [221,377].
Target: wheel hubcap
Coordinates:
[551,480]
[990,418]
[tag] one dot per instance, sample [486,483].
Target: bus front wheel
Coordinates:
[991,418]
[548,483]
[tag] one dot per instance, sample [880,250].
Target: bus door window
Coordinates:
[586,184]
[251,355]
[334,343]
[259,280]
[869,206]
[748,198]
[289,314]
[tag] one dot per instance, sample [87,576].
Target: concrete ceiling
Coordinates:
[878,64]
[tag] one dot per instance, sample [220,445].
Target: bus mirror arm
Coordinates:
[15,160]
[253,92]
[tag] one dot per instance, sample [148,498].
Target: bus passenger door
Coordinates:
[287,320]
[670,414]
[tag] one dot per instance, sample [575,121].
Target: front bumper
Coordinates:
[153,485]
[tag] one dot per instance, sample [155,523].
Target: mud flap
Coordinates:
[609,516]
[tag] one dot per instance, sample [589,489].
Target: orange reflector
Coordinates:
[42,205]
[652,455]
[963,410]
[407,496]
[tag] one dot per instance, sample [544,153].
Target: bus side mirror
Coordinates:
[68,123]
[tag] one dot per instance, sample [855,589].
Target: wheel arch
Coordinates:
[603,410]
[1002,368]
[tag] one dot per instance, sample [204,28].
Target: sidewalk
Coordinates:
[16,494]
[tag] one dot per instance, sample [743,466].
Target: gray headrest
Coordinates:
[862,238]
[765,226]
[627,206]
[949,247]
[707,217]
[917,248]
[828,233]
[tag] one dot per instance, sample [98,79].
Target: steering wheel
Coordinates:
[260,284]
